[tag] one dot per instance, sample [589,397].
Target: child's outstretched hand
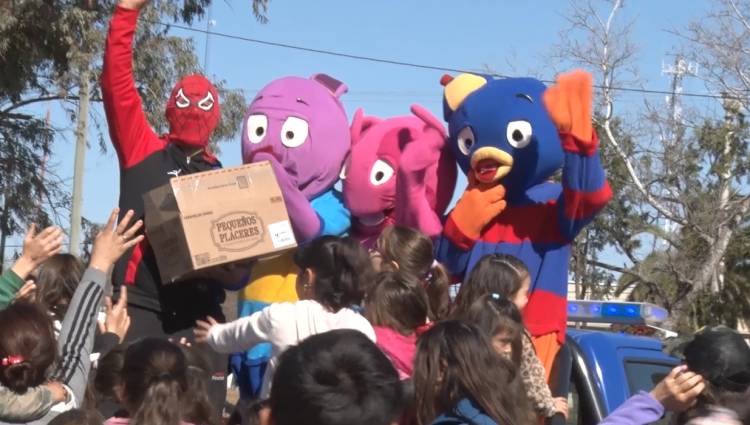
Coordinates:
[679,390]
[38,247]
[112,241]
[203,329]
[118,320]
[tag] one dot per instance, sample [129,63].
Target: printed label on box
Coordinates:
[281,234]
[237,231]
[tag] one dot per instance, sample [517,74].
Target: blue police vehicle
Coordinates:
[598,369]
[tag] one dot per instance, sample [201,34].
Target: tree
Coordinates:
[683,188]
[29,190]
[50,50]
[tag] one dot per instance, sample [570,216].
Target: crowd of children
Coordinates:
[373,339]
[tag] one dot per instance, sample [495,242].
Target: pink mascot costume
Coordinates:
[400,171]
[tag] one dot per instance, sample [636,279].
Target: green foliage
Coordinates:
[26,185]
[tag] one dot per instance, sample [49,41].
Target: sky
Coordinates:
[509,37]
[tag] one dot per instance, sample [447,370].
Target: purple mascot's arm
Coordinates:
[413,207]
[305,220]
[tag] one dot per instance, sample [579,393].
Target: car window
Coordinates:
[643,376]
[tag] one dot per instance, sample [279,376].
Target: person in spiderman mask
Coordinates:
[148,161]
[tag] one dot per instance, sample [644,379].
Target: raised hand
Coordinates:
[478,206]
[132,4]
[203,329]
[679,390]
[37,248]
[425,167]
[569,103]
[117,320]
[112,241]
[421,153]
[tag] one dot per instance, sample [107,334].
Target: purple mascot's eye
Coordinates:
[294,132]
[256,125]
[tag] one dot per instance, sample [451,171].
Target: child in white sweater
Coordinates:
[332,278]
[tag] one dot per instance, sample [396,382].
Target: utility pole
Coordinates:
[45,158]
[675,130]
[81,145]
[678,71]
[210,23]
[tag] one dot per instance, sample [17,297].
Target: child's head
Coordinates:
[108,375]
[411,251]
[722,356]
[335,378]
[333,272]
[56,280]
[499,318]
[154,382]
[501,274]
[455,361]
[397,300]
[198,408]
[27,346]
[78,417]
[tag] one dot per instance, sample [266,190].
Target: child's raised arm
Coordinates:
[36,249]
[240,334]
[77,336]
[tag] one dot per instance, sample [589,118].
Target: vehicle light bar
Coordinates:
[615,312]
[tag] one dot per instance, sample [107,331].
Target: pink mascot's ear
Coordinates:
[360,124]
[336,87]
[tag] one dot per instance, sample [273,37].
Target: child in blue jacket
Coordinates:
[460,379]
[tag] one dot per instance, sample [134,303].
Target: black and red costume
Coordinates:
[148,161]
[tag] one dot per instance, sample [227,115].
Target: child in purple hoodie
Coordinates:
[676,392]
[717,371]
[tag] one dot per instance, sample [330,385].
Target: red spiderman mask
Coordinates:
[193,111]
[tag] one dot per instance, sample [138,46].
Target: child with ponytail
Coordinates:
[410,251]
[154,384]
[332,278]
[507,277]
[499,318]
[397,306]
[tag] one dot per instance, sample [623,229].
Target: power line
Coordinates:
[412,64]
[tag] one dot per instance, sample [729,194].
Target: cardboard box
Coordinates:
[203,220]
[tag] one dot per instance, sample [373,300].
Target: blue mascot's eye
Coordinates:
[465,140]
[519,133]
